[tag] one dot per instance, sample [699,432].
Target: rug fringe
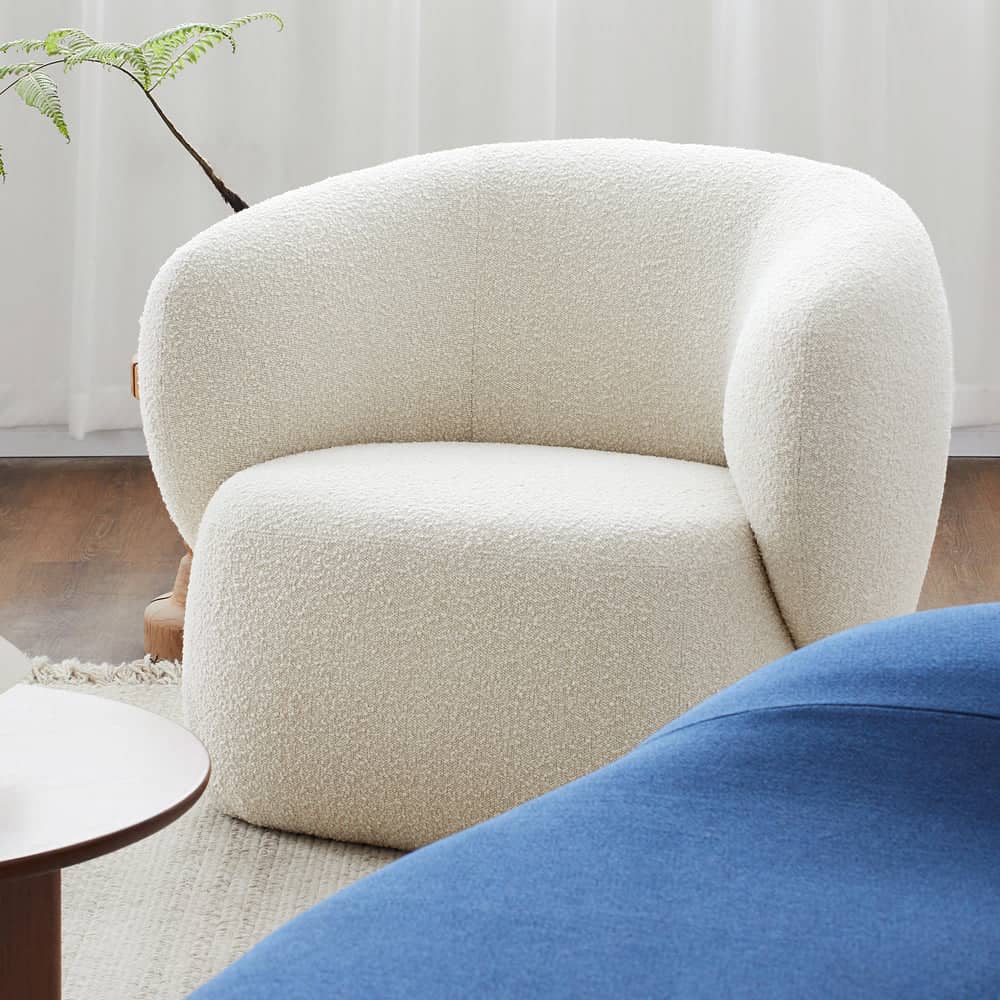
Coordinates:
[74,671]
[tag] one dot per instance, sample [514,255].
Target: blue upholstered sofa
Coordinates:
[827,827]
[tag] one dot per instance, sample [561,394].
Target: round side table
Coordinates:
[80,776]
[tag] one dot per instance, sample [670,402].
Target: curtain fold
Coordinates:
[907,90]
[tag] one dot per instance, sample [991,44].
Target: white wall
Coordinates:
[908,90]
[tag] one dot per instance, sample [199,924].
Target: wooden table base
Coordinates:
[81,777]
[163,622]
[30,937]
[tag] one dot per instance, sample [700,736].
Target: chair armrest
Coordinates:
[837,416]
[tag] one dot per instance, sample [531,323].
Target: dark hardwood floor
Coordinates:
[86,543]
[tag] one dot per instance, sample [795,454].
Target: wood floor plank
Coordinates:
[85,544]
[965,562]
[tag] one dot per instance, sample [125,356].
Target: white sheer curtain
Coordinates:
[908,90]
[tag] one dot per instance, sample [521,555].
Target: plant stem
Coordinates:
[230,197]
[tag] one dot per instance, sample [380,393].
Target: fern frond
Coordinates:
[106,53]
[16,69]
[137,60]
[196,47]
[3,172]
[172,51]
[38,91]
[173,38]
[67,41]
[78,47]
[25,45]
[160,50]
[264,15]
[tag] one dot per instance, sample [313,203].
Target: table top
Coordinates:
[82,776]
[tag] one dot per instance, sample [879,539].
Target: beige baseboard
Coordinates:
[975,441]
[51,442]
[57,442]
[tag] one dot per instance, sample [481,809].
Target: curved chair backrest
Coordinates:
[701,303]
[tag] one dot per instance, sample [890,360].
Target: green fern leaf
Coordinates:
[106,53]
[160,50]
[264,15]
[172,38]
[67,41]
[16,69]
[172,51]
[38,91]
[137,60]
[78,47]
[25,45]
[3,172]
[195,49]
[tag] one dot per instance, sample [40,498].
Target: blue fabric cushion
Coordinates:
[829,826]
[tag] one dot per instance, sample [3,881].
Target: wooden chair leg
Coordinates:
[163,622]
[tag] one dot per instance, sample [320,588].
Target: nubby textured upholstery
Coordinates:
[827,827]
[494,460]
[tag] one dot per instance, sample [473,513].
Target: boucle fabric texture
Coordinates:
[772,317]
[470,624]
[827,827]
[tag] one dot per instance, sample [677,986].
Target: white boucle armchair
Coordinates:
[495,460]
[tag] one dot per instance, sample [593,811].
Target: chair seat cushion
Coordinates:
[829,826]
[387,643]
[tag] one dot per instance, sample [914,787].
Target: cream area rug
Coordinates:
[159,918]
